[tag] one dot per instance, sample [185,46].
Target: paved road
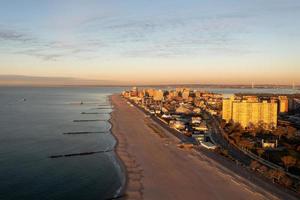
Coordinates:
[172,173]
[246,159]
[233,151]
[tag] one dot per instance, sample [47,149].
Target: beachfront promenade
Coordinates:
[158,169]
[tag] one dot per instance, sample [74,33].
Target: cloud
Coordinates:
[12,35]
[158,36]
[175,36]
[16,42]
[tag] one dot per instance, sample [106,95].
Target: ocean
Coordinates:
[33,123]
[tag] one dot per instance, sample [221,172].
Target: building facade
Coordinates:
[250,111]
[283,104]
[158,95]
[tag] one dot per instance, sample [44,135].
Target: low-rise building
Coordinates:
[177,124]
[269,144]
[183,110]
[196,120]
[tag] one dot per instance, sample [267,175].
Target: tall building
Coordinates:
[250,110]
[185,94]
[134,92]
[150,92]
[283,104]
[158,95]
[172,94]
[227,108]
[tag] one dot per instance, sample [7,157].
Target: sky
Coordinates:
[150,41]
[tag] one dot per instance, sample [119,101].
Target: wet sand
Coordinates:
[157,169]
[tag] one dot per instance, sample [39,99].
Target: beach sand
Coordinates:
[157,169]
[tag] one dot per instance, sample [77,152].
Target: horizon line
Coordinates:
[10,80]
[222,85]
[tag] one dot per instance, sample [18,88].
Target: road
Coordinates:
[245,159]
[169,172]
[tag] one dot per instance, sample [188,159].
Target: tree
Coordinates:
[286,181]
[263,169]
[246,144]
[238,128]
[279,132]
[276,174]
[166,93]
[223,124]
[225,152]
[254,165]
[260,152]
[236,138]
[260,127]
[291,131]
[230,127]
[288,161]
[252,129]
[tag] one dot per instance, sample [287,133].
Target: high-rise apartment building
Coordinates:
[283,104]
[248,110]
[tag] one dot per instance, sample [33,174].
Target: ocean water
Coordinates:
[31,130]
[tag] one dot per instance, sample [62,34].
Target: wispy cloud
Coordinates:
[13,35]
[159,36]
[26,43]
[175,36]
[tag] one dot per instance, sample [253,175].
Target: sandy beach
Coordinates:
[157,169]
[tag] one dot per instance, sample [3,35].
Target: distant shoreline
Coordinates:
[225,86]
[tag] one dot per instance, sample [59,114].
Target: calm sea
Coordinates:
[32,123]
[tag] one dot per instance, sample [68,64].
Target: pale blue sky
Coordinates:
[143,41]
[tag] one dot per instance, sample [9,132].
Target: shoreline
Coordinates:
[126,162]
[121,191]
